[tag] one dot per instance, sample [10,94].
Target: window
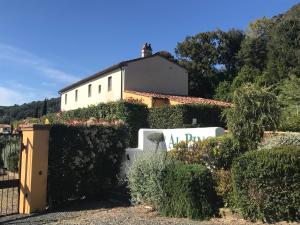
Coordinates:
[66,99]
[76,95]
[109,83]
[99,89]
[90,90]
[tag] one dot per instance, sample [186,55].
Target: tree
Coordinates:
[247,74]
[45,109]
[36,115]
[253,51]
[283,51]
[210,58]
[223,91]
[229,46]
[255,110]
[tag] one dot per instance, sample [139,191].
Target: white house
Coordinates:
[151,73]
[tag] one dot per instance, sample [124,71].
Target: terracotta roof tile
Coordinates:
[182,99]
[4,126]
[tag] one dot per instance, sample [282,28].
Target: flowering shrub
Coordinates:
[84,161]
[217,152]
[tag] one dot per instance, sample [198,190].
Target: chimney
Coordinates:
[146,50]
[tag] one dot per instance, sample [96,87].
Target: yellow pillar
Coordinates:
[34,169]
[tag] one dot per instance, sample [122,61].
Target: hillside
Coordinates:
[17,112]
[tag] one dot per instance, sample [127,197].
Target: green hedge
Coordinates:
[133,114]
[266,184]
[189,192]
[180,116]
[83,161]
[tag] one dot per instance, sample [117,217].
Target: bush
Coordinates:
[223,186]
[10,151]
[145,178]
[217,152]
[13,161]
[179,116]
[83,161]
[255,111]
[188,192]
[266,184]
[290,122]
[133,114]
[282,140]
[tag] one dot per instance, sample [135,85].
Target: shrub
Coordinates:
[282,140]
[83,161]
[188,192]
[13,161]
[290,122]
[145,178]
[10,153]
[255,111]
[3,141]
[217,152]
[133,114]
[266,184]
[223,186]
[179,116]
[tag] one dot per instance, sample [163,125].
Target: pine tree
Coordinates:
[45,107]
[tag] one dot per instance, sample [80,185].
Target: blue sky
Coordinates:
[46,45]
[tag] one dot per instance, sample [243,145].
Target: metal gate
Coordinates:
[10,152]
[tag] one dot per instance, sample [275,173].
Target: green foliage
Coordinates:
[179,116]
[133,114]
[215,153]
[283,50]
[279,141]
[255,110]
[173,189]
[266,184]
[208,56]
[13,161]
[289,98]
[9,114]
[246,75]
[3,141]
[188,192]
[223,91]
[223,186]
[9,152]
[145,178]
[83,161]
[45,107]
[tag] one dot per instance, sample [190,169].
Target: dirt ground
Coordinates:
[101,214]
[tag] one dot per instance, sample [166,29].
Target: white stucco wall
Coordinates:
[156,74]
[96,98]
[174,136]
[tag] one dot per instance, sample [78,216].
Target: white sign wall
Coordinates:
[174,136]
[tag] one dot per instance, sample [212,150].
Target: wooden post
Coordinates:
[34,168]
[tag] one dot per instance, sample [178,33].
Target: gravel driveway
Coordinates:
[98,213]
